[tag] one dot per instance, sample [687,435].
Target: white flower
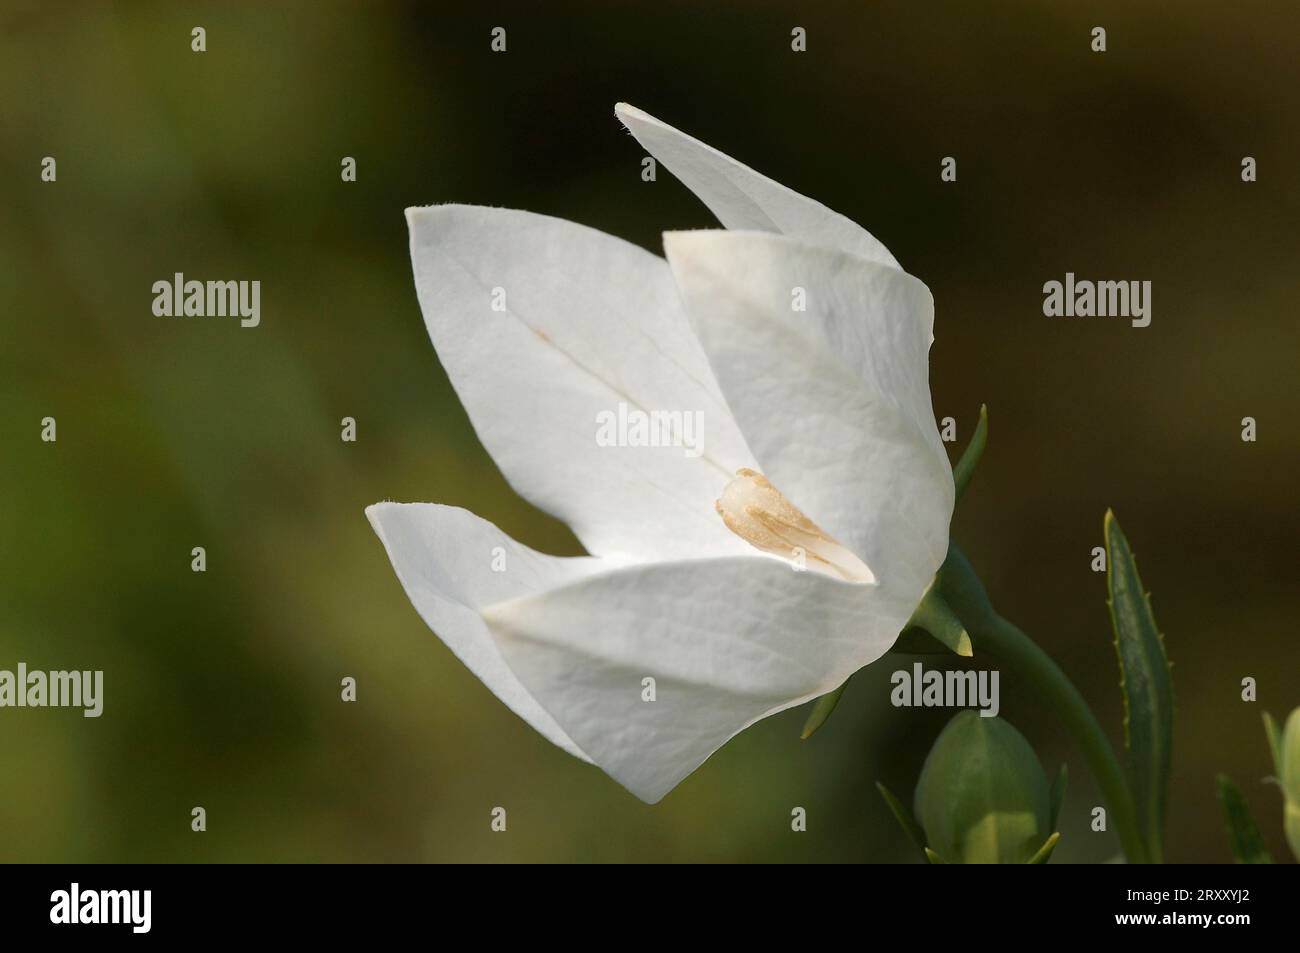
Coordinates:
[819,450]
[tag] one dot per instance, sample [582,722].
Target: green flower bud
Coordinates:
[1289,769]
[982,797]
[1289,763]
[1291,823]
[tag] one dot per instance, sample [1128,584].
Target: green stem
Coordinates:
[1035,666]
[989,631]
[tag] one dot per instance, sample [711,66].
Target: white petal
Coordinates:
[742,198]
[585,323]
[727,641]
[833,400]
[444,558]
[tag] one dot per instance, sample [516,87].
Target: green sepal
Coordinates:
[936,617]
[904,818]
[822,709]
[1057,796]
[932,857]
[1146,685]
[1243,833]
[970,457]
[915,641]
[1288,757]
[1274,745]
[1045,852]
[934,627]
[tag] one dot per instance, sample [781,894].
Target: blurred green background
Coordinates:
[222,689]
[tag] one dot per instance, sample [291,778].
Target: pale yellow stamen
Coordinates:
[756,511]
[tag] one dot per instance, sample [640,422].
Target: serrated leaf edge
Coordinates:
[1113,542]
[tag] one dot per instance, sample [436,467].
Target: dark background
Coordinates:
[222,689]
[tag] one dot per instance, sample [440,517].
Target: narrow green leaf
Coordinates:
[1243,834]
[1274,744]
[1058,795]
[822,709]
[1045,852]
[904,818]
[1146,683]
[970,457]
[932,857]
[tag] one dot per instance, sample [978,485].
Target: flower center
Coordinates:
[753,509]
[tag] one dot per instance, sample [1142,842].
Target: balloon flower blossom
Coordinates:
[739,433]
